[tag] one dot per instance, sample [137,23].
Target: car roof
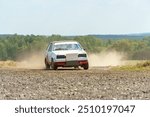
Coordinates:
[66,42]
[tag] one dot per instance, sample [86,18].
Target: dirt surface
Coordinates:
[74,84]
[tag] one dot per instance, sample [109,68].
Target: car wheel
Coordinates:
[53,66]
[86,66]
[47,66]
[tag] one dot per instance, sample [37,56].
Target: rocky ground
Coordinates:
[94,83]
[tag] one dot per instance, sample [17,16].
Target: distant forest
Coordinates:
[12,46]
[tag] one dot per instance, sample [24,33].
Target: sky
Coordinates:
[74,17]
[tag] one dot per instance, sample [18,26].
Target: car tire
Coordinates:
[86,66]
[53,66]
[47,66]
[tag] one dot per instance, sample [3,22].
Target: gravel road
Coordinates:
[94,83]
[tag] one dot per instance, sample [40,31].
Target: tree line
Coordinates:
[12,46]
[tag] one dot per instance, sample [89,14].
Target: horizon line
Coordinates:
[137,33]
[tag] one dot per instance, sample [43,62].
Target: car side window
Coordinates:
[50,48]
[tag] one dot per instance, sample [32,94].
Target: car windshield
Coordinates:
[66,47]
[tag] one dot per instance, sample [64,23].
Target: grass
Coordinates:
[140,65]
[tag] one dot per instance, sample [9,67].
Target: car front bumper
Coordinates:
[71,63]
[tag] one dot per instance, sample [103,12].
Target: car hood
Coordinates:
[64,52]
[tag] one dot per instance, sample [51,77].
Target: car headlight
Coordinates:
[82,55]
[60,56]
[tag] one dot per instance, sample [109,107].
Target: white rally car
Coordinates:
[65,54]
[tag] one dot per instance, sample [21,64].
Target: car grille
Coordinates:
[71,57]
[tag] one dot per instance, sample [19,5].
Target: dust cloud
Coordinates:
[31,61]
[35,60]
[112,58]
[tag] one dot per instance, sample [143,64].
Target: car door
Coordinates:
[49,52]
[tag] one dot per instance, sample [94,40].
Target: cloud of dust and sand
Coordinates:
[31,61]
[36,60]
[111,58]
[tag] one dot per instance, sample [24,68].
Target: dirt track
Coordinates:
[74,84]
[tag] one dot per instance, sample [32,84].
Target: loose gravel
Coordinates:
[73,84]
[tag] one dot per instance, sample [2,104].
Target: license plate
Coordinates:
[71,63]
